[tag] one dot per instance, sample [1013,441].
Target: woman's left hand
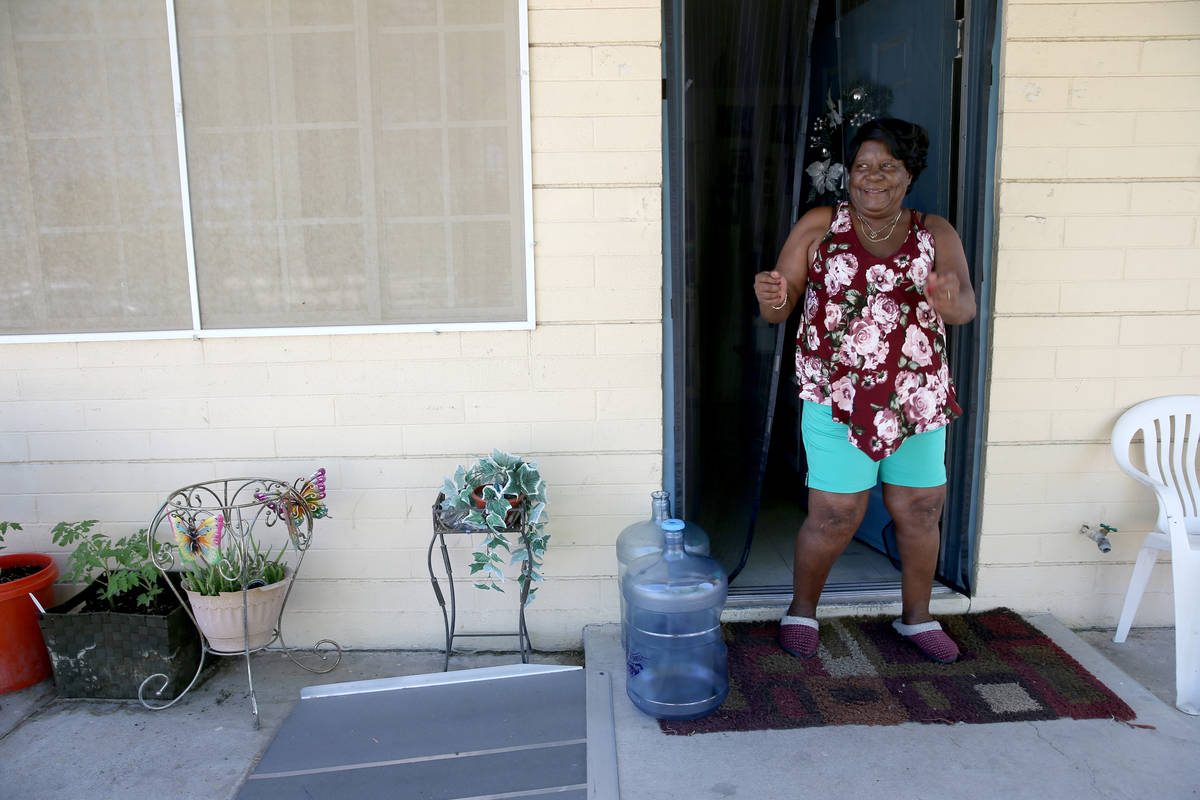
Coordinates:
[941,290]
[948,289]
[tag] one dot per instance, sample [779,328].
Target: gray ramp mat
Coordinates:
[547,771]
[511,736]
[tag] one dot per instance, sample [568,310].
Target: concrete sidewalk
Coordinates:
[205,745]
[1056,760]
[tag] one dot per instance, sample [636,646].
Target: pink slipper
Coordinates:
[798,636]
[930,639]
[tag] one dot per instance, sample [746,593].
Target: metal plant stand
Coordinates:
[445,522]
[240,504]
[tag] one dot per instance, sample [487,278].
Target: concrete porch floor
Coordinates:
[206,745]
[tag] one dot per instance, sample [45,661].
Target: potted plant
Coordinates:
[122,628]
[216,580]
[23,657]
[237,591]
[501,494]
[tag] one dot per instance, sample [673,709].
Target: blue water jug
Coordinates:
[645,540]
[677,667]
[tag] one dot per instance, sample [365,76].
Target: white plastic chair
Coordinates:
[1170,428]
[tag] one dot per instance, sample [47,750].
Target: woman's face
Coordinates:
[878,180]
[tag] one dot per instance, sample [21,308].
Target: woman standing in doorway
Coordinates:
[878,283]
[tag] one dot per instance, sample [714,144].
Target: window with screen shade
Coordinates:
[355,163]
[350,162]
[91,235]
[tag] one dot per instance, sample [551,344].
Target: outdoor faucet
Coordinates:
[1099,535]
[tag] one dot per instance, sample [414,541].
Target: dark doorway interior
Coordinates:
[737,107]
[746,83]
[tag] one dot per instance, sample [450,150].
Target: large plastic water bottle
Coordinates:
[677,666]
[645,539]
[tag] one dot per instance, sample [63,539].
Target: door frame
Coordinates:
[974,133]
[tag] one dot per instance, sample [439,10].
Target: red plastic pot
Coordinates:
[24,659]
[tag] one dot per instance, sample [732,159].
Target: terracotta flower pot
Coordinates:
[24,659]
[219,618]
[511,517]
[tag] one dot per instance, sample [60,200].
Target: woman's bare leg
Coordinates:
[832,520]
[916,512]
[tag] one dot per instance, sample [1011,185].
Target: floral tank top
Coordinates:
[870,345]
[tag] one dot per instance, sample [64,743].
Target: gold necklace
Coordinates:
[872,234]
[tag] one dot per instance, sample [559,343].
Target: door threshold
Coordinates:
[835,594]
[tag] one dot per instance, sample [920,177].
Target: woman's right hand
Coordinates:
[782,289]
[770,288]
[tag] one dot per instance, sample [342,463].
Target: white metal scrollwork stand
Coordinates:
[242,503]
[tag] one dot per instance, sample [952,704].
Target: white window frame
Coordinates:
[198,332]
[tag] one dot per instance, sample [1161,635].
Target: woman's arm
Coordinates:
[949,288]
[780,290]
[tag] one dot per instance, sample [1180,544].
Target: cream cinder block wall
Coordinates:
[105,430]
[1097,301]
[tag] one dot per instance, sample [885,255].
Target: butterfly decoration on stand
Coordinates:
[283,501]
[199,536]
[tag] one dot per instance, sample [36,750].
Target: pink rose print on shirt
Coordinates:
[881,278]
[885,311]
[864,335]
[811,393]
[925,243]
[841,222]
[887,426]
[833,316]
[839,271]
[809,366]
[926,315]
[916,346]
[810,307]
[876,359]
[918,272]
[942,391]
[906,383]
[842,393]
[922,406]
[845,353]
[814,338]
[941,383]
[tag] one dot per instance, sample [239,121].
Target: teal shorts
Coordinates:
[836,465]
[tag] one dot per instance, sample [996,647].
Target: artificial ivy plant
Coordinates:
[497,482]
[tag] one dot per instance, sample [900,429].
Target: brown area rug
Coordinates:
[866,674]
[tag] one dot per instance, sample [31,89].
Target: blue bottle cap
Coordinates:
[673,525]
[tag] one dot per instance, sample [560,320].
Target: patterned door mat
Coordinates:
[865,674]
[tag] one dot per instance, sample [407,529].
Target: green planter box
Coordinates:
[108,654]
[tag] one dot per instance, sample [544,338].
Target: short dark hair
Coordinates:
[906,141]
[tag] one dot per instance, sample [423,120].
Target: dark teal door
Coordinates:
[737,135]
[909,46]
[908,49]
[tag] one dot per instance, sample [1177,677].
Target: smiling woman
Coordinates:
[878,183]
[879,282]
